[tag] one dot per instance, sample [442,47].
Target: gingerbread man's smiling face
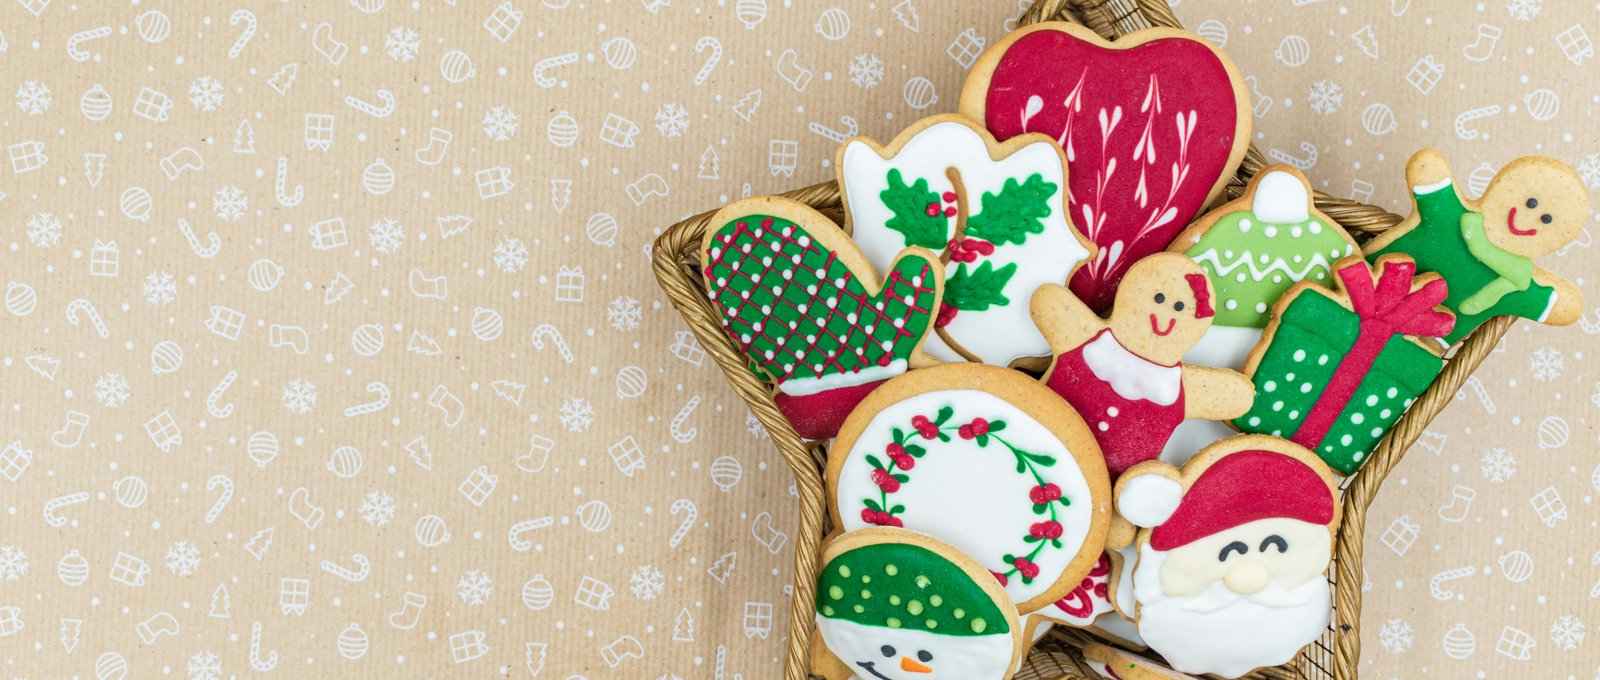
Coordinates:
[1533,208]
[1163,307]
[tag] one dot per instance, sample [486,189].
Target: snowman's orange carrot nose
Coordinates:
[911,665]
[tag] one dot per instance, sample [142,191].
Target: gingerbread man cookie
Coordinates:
[809,312]
[1485,248]
[1125,375]
[898,605]
[984,458]
[996,211]
[1236,541]
[1154,125]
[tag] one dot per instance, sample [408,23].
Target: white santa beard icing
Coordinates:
[800,387]
[1190,436]
[970,496]
[955,657]
[1230,641]
[1224,347]
[1000,334]
[1280,198]
[1130,375]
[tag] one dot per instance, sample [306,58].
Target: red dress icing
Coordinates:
[1122,105]
[1132,425]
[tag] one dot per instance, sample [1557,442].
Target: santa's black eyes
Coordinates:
[1160,298]
[1546,219]
[1533,203]
[887,650]
[1232,547]
[924,656]
[1283,546]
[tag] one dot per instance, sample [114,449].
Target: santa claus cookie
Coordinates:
[1337,368]
[1485,248]
[1125,375]
[1236,541]
[1118,664]
[986,459]
[810,313]
[897,605]
[1153,124]
[996,211]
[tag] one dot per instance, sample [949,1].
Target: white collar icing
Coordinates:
[1131,376]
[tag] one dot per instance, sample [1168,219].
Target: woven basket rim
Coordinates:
[675,260]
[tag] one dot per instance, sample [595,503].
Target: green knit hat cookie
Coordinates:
[899,585]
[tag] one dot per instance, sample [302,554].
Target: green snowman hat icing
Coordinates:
[899,585]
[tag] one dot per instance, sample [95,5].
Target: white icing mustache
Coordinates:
[1216,597]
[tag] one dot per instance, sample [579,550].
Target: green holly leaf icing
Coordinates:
[1252,264]
[1014,213]
[909,203]
[978,288]
[1313,335]
[899,585]
[818,320]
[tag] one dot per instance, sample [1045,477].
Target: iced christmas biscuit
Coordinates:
[1485,248]
[1118,664]
[1153,126]
[1236,541]
[985,459]
[1336,369]
[997,211]
[897,605]
[799,299]
[1125,374]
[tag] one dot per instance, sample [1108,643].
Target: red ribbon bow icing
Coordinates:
[1387,307]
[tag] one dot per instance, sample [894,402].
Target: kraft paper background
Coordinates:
[409,239]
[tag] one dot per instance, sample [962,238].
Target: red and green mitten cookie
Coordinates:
[1335,370]
[799,299]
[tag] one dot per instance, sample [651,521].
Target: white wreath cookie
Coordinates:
[1238,541]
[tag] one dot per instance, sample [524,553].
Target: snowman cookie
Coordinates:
[808,311]
[897,605]
[1238,540]
[1484,249]
[1125,375]
[986,459]
[997,212]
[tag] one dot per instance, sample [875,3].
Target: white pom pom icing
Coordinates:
[1149,499]
[1281,199]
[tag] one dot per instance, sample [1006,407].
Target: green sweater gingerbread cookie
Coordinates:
[1484,249]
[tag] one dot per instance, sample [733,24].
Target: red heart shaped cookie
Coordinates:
[1153,126]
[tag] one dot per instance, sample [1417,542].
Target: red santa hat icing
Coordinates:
[1237,489]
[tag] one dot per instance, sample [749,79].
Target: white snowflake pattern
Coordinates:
[866,70]
[205,93]
[1396,636]
[1546,364]
[402,44]
[753,425]
[44,230]
[475,587]
[1326,97]
[183,558]
[111,390]
[386,235]
[500,124]
[1498,465]
[1567,632]
[205,666]
[299,396]
[1523,10]
[230,203]
[576,414]
[33,97]
[160,288]
[624,313]
[13,562]
[646,582]
[377,509]
[510,255]
[672,120]
[1589,170]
